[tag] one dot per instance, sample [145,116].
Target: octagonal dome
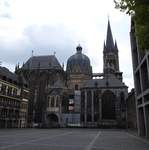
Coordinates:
[79,63]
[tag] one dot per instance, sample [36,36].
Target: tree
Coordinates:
[140,10]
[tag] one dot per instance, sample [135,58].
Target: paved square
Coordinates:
[70,139]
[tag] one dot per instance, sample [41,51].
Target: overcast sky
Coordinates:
[48,26]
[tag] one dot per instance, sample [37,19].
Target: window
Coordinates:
[3,89]
[76,87]
[108,105]
[52,101]
[48,101]
[57,101]
[0,86]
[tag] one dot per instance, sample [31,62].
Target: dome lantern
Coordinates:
[79,49]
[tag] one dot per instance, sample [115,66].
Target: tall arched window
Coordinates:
[108,105]
[96,106]
[52,101]
[89,106]
[57,101]
[123,104]
[76,87]
[49,101]
[82,105]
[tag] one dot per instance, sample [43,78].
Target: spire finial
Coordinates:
[108,17]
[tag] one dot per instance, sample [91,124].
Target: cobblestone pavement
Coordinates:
[70,139]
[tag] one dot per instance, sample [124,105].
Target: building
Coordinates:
[140,60]
[131,111]
[103,100]
[78,72]
[42,73]
[14,95]
[73,97]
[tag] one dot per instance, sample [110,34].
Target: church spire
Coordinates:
[110,51]
[109,41]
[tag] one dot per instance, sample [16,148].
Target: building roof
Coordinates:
[8,74]
[104,83]
[42,62]
[19,79]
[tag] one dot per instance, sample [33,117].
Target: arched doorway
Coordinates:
[52,120]
[108,105]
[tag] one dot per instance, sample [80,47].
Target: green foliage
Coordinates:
[140,10]
[127,6]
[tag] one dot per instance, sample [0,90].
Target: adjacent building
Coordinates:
[140,60]
[14,95]
[131,111]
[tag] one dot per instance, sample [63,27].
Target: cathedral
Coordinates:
[76,96]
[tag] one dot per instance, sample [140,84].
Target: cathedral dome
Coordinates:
[79,63]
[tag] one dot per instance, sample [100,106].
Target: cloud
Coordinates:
[5,9]
[44,40]
[46,26]
[49,39]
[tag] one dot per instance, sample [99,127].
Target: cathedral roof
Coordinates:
[104,83]
[42,62]
[79,63]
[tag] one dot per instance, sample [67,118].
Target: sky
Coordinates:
[58,26]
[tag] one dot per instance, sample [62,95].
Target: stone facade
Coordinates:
[103,106]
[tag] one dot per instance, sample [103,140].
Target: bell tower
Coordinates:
[110,55]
